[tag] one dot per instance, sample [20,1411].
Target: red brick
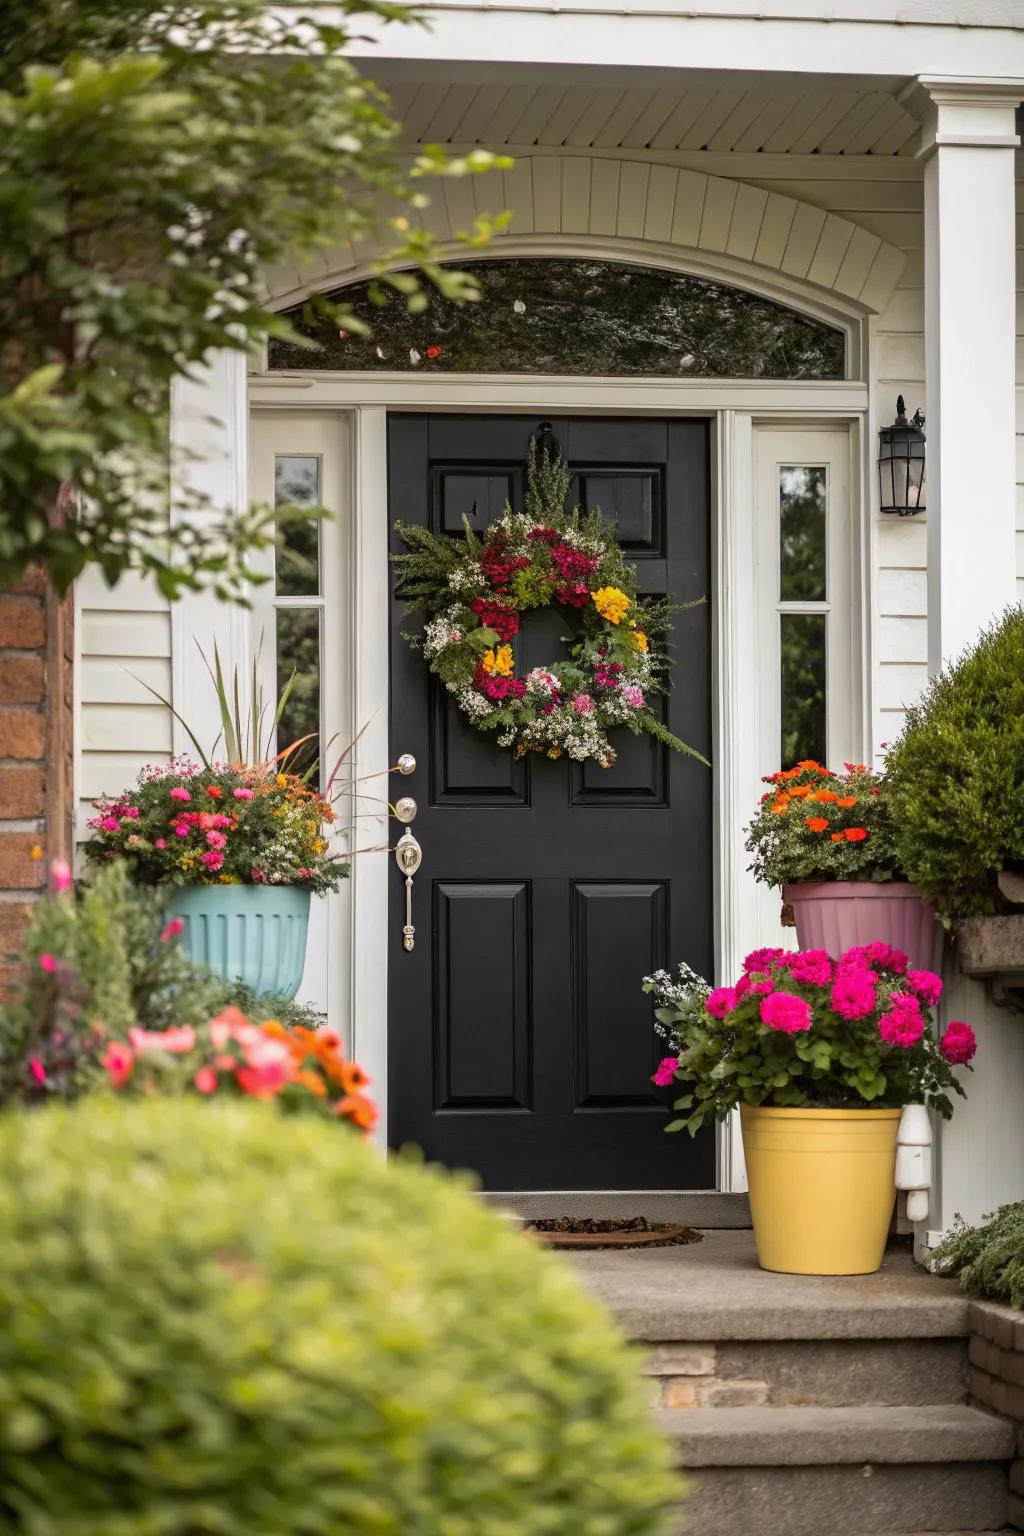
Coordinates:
[22,792]
[18,870]
[33,583]
[22,624]
[21,679]
[15,917]
[22,734]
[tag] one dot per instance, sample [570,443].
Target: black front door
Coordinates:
[520,1042]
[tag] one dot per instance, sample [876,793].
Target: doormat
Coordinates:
[623,1232]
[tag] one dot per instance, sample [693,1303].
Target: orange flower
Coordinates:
[837,837]
[809,762]
[800,791]
[846,801]
[817,823]
[855,834]
[825,796]
[314,1082]
[361,1111]
[353,1078]
[779,806]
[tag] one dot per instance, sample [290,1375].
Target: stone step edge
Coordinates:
[788,1437]
[670,1321]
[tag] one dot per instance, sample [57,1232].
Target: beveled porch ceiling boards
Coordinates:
[827,122]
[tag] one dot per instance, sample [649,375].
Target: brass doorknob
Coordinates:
[405,809]
[406,763]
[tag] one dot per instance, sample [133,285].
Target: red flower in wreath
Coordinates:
[432,352]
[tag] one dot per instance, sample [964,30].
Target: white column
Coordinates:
[209,438]
[968,143]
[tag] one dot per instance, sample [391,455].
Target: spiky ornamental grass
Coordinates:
[989,1259]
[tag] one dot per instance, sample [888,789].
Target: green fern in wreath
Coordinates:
[475,589]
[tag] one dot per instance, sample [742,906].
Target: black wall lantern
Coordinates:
[901,464]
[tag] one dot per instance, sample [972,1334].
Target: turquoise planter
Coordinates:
[255,934]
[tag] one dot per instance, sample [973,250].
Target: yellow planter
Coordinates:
[822,1187]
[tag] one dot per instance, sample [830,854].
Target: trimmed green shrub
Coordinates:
[216,1320]
[955,778]
[989,1259]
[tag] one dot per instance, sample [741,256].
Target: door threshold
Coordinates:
[707,1208]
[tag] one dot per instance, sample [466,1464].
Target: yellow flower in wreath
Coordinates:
[498,662]
[611,603]
[639,639]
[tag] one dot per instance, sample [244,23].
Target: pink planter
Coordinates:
[835,915]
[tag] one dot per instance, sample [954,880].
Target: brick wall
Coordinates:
[997,1382]
[36,752]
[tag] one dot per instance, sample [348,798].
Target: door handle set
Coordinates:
[408,853]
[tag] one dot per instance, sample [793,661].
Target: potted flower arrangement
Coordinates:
[828,841]
[243,849]
[820,1056]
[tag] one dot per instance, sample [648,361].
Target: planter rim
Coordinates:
[838,890]
[217,889]
[805,1112]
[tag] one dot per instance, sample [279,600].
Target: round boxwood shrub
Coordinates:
[955,778]
[217,1321]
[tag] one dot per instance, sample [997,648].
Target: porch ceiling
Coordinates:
[832,119]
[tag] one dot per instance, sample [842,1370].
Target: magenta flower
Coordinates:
[205,1080]
[109,823]
[213,861]
[927,985]
[785,1013]
[131,813]
[877,953]
[47,963]
[959,1043]
[178,793]
[60,874]
[903,1024]
[583,704]
[242,794]
[721,1001]
[216,839]
[741,988]
[853,992]
[161,842]
[762,986]
[37,1070]
[181,830]
[172,929]
[811,967]
[666,1071]
[761,959]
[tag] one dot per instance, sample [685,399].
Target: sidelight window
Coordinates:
[298,608]
[599,318]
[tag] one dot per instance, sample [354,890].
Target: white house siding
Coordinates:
[123,642]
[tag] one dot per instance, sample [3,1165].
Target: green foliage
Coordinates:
[988,1259]
[155,161]
[956,776]
[213,1319]
[799,1029]
[815,825]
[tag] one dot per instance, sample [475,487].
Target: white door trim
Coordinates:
[734,409]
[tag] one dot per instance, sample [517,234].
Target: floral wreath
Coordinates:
[475,591]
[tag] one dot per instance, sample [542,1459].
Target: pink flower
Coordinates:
[131,812]
[216,840]
[161,842]
[242,794]
[927,985]
[633,696]
[721,1001]
[812,968]
[959,1043]
[903,1024]
[785,1013]
[119,1061]
[666,1071]
[180,830]
[762,987]
[853,992]
[213,861]
[60,874]
[741,988]
[877,953]
[175,927]
[205,1080]
[47,963]
[761,959]
[179,793]
[109,823]
[37,1070]
[583,704]
[258,876]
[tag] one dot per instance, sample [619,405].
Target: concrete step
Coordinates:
[865,1471]
[796,1373]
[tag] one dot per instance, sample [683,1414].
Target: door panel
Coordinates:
[520,1043]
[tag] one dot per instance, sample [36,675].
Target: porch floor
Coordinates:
[714,1290]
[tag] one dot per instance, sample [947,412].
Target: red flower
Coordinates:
[504,621]
[432,351]
[214,792]
[855,834]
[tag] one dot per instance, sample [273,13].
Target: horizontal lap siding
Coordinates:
[124,644]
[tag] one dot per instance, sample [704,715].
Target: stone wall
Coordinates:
[36,753]
[997,1382]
